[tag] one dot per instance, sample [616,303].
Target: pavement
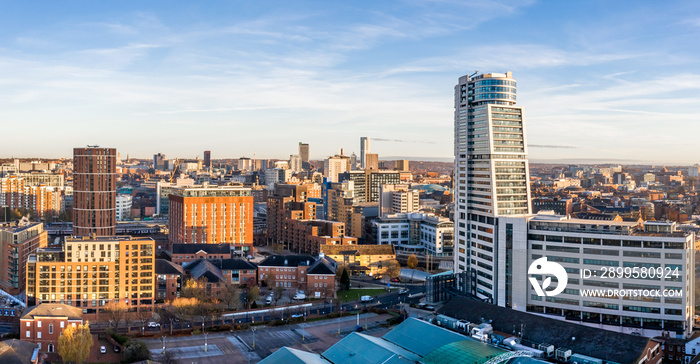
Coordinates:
[251,346]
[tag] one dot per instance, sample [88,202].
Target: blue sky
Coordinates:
[598,79]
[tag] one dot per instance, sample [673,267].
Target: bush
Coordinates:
[242,326]
[119,338]
[135,351]
[224,327]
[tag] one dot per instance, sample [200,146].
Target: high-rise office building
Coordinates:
[304,154]
[491,174]
[207,158]
[367,183]
[401,165]
[94,191]
[364,149]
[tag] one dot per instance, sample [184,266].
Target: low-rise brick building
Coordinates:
[43,324]
[170,276]
[316,277]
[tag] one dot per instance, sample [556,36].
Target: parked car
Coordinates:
[268,300]
[297,315]
[377,277]
[116,349]
[299,296]
[103,350]
[403,291]
[153,324]
[395,280]
[366,298]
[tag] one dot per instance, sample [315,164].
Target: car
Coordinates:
[403,291]
[366,298]
[153,324]
[297,315]
[299,296]
[103,350]
[268,300]
[395,280]
[377,277]
[116,349]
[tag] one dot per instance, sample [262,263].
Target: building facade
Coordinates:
[368,182]
[415,233]
[94,191]
[398,199]
[333,166]
[491,173]
[212,215]
[589,248]
[123,210]
[90,272]
[18,243]
[316,277]
[369,259]
[372,161]
[44,323]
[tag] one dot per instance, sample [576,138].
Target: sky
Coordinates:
[598,80]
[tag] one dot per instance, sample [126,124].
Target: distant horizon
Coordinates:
[583,161]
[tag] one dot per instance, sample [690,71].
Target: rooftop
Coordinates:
[14,351]
[369,249]
[206,248]
[608,345]
[166,267]
[52,310]
[287,261]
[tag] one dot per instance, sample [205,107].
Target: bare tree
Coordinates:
[231,297]
[116,311]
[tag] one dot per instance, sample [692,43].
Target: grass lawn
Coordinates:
[355,294]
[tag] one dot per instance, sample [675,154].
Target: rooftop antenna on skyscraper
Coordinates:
[474,74]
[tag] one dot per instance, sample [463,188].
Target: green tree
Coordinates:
[412,261]
[74,343]
[136,350]
[345,279]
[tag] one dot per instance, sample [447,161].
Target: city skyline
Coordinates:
[598,80]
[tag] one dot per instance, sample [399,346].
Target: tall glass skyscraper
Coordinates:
[491,179]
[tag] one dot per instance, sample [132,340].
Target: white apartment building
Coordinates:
[273,176]
[588,250]
[415,233]
[124,203]
[333,166]
[491,173]
[397,199]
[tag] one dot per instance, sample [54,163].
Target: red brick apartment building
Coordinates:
[212,215]
[43,324]
[94,191]
[316,277]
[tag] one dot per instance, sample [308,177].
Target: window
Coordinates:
[28,324]
[38,324]
[50,328]
[38,335]
[29,334]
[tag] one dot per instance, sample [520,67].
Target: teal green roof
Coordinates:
[358,348]
[466,351]
[430,336]
[287,355]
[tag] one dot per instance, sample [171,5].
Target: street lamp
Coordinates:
[253,338]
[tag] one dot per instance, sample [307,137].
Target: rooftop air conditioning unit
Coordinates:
[563,354]
[548,349]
